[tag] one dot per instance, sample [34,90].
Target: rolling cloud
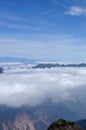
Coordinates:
[37,86]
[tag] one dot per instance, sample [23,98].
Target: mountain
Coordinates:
[82,124]
[53,65]
[62,124]
[1,70]
[15,59]
[33,118]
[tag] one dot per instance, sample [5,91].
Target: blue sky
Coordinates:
[43,29]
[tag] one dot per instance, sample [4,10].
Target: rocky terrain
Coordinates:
[33,118]
[63,125]
[38,118]
[22,122]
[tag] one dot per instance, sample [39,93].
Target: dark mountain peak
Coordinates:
[62,124]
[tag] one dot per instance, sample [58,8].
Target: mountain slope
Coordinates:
[82,124]
[33,118]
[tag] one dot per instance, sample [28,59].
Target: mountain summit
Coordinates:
[62,124]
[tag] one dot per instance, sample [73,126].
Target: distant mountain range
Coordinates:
[54,65]
[38,63]
[15,59]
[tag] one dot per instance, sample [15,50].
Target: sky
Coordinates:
[49,30]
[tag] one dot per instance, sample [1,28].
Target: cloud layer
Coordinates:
[37,86]
[76,11]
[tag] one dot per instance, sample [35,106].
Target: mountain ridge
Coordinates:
[55,65]
[16,59]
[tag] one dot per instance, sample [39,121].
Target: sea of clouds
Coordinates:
[35,86]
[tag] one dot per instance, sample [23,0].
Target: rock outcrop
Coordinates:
[63,125]
[22,122]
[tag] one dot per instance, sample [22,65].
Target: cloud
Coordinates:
[36,86]
[76,11]
[55,1]
[31,23]
[59,2]
[13,25]
[12,17]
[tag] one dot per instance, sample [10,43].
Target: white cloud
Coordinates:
[59,2]
[14,26]
[9,16]
[36,86]
[76,10]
